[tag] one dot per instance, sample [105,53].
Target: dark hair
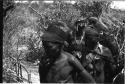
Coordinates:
[92,20]
[55,27]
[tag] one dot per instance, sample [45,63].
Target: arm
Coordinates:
[77,65]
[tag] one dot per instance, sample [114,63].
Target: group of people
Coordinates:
[61,62]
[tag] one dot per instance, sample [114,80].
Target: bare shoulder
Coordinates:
[69,56]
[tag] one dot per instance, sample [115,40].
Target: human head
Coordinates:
[98,24]
[54,37]
[52,49]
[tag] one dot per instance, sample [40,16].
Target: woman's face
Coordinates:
[52,48]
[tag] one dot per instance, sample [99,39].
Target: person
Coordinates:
[85,38]
[94,35]
[58,66]
[76,43]
[104,38]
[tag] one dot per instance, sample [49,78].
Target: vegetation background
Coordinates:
[25,23]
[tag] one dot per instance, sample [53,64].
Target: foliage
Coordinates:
[92,8]
[8,71]
[59,11]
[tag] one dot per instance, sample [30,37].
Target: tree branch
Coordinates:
[36,11]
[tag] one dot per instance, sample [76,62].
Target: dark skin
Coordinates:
[63,66]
